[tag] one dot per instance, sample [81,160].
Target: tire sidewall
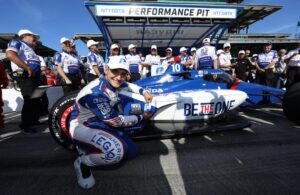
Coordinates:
[54,121]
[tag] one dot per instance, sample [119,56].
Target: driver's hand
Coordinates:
[147,115]
[148,97]
[82,81]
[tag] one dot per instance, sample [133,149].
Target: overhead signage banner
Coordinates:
[152,11]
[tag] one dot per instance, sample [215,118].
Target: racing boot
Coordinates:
[84,175]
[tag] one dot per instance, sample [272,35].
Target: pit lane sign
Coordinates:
[178,12]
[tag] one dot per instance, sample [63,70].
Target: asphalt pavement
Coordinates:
[261,159]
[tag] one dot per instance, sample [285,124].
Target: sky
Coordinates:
[53,19]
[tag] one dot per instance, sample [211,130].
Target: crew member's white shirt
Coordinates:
[95,59]
[134,62]
[205,56]
[294,61]
[222,60]
[265,58]
[154,60]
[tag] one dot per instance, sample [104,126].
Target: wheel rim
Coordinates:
[64,121]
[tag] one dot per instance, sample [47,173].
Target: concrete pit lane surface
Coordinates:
[261,159]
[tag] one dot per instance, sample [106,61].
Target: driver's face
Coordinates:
[116,76]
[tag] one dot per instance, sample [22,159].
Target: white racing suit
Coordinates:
[96,125]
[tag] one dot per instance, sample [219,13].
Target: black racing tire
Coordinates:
[59,120]
[291,103]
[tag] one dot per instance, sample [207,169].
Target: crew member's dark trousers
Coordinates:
[1,110]
[293,76]
[44,99]
[44,104]
[250,77]
[265,78]
[75,79]
[32,106]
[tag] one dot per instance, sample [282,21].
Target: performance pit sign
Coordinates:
[160,11]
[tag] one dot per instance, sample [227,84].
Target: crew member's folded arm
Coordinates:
[100,106]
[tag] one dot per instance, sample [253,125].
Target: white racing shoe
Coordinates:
[84,175]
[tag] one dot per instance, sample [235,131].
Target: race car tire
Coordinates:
[291,103]
[59,120]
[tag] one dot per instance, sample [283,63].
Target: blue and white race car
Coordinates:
[183,102]
[177,108]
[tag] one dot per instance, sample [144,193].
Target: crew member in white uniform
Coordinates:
[95,61]
[293,66]
[114,50]
[185,59]
[227,48]
[224,62]
[266,64]
[152,59]
[169,53]
[134,61]
[206,57]
[24,59]
[169,58]
[193,54]
[68,67]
